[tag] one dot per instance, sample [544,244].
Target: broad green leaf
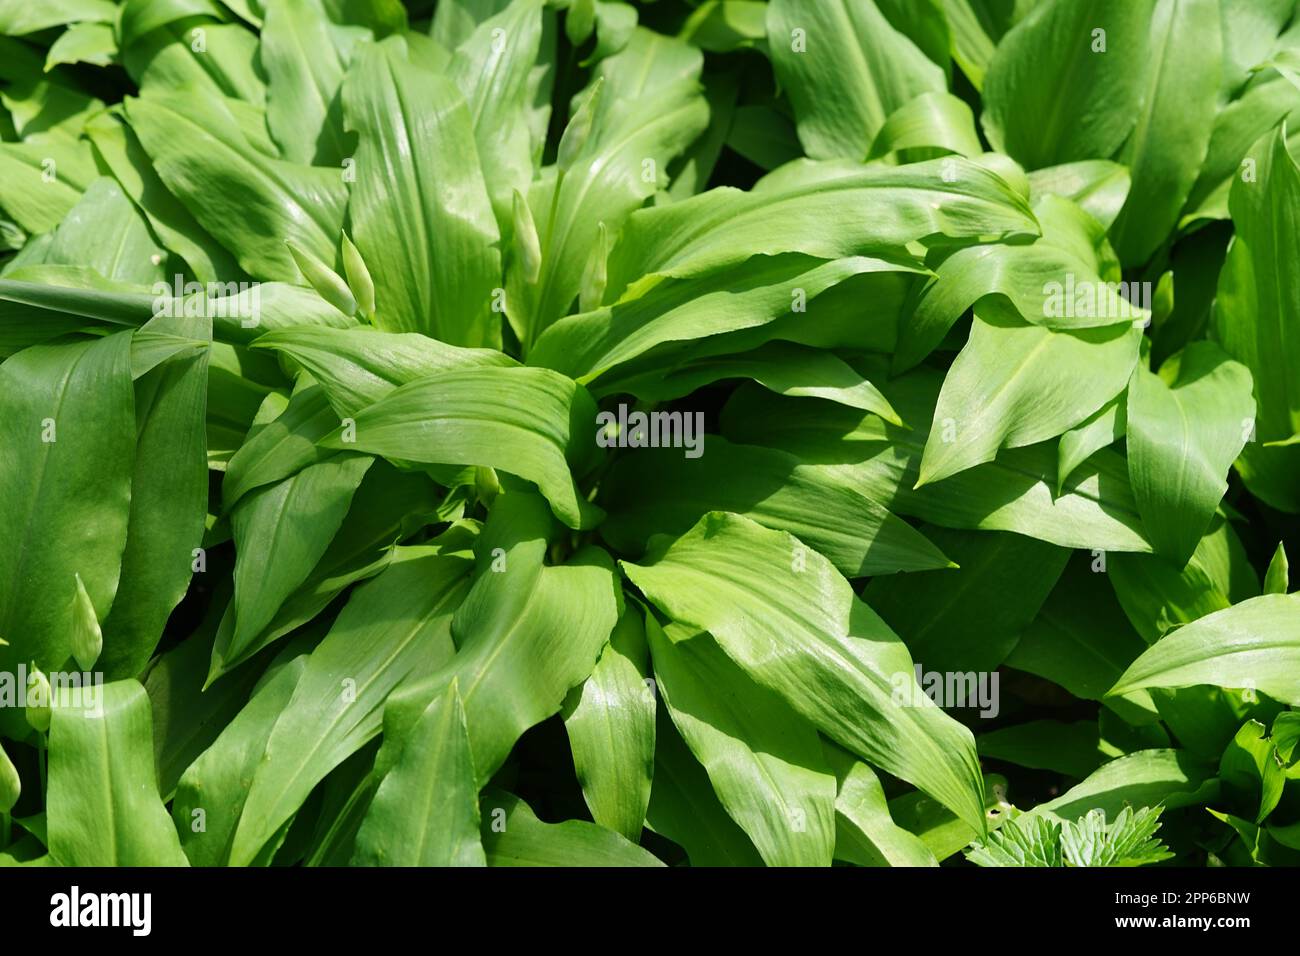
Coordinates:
[1255,307]
[764,760]
[119,148]
[530,422]
[1099,430]
[968,618]
[68,427]
[1017,384]
[513,836]
[169,494]
[1251,766]
[934,120]
[744,296]
[1185,428]
[280,534]
[1034,842]
[782,367]
[881,462]
[92,43]
[664,491]
[684,808]
[425,812]
[419,209]
[525,635]
[40,181]
[1158,594]
[648,110]
[359,366]
[252,204]
[1082,641]
[103,806]
[211,793]
[1098,186]
[610,721]
[17,19]
[1184,54]
[104,232]
[734,578]
[1254,644]
[304,68]
[1171,778]
[846,69]
[829,210]
[1070,749]
[282,447]
[1066,82]
[492,68]
[394,628]
[865,833]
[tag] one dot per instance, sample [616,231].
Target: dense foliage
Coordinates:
[718,432]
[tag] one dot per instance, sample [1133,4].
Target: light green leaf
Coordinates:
[734,579]
[610,720]
[1254,644]
[846,69]
[765,761]
[530,422]
[103,807]
[513,836]
[1185,428]
[425,812]
[419,209]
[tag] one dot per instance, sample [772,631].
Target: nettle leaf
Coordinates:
[743,584]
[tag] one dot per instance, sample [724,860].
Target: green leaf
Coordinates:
[1070,749]
[881,462]
[654,491]
[513,836]
[1185,428]
[1171,778]
[968,618]
[1066,82]
[934,120]
[252,204]
[846,69]
[1178,102]
[280,534]
[733,578]
[169,492]
[1252,312]
[1254,644]
[1276,579]
[610,720]
[68,426]
[425,812]
[212,791]
[828,210]
[393,629]
[765,761]
[419,209]
[527,421]
[304,67]
[525,635]
[865,833]
[1017,384]
[1036,842]
[103,806]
